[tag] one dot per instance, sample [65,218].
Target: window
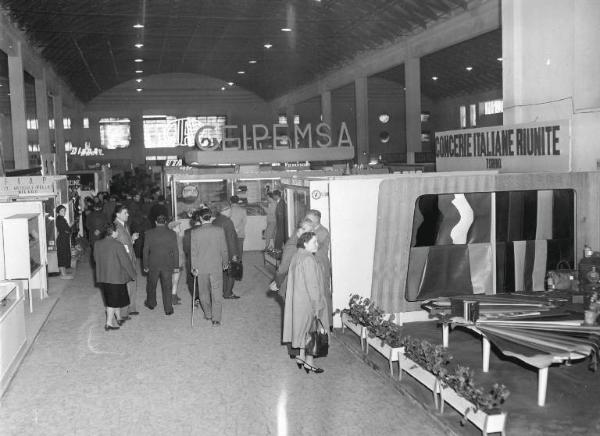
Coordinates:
[32,124]
[33,148]
[463,117]
[86,123]
[491,107]
[51,123]
[282,119]
[114,133]
[66,123]
[68,146]
[473,114]
[168,131]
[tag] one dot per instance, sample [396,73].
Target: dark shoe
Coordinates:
[216,323]
[110,327]
[232,297]
[120,322]
[125,318]
[135,312]
[300,363]
[175,299]
[147,305]
[170,312]
[308,368]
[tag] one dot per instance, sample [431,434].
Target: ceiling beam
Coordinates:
[87,66]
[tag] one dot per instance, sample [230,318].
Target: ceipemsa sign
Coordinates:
[535,147]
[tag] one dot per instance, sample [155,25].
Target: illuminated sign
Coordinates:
[543,147]
[86,151]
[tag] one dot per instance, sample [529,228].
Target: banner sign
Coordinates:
[27,186]
[521,148]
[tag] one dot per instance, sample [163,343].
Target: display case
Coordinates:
[12,331]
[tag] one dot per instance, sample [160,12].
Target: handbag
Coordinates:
[318,342]
[235,270]
[562,277]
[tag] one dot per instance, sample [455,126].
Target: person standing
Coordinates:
[95,223]
[269,234]
[161,259]
[113,270]
[289,249]
[179,227]
[127,239]
[322,255]
[208,255]
[239,216]
[305,299]
[63,243]
[224,221]
[280,220]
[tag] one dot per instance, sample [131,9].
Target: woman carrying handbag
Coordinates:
[305,300]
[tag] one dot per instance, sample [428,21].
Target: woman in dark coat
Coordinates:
[305,299]
[63,242]
[114,269]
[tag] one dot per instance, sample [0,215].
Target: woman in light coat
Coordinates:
[305,299]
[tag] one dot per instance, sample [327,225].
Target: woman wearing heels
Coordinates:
[114,269]
[305,299]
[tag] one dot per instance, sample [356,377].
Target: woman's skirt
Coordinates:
[270,230]
[115,295]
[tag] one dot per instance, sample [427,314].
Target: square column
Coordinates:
[41,107]
[59,134]
[17,109]
[362,120]
[326,111]
[412,82]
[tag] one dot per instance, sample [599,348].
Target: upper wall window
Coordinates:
[86,123]
[473,115]
[66,123]
[463,117]
[491,107]
[114,133]
[32,124]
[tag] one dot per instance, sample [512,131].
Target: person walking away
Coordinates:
[239,216]
[179,227]
[224,221]
[127,239]
[63,243]
[95,223]
[269,234]
[114,270]
[161,259]
[208,254]
[305,299]
[322,255]
[280,220]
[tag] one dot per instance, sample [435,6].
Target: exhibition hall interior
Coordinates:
[299,217]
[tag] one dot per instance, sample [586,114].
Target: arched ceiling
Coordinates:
[90,43]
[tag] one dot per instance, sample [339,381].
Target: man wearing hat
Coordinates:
[224,221]
[239,217]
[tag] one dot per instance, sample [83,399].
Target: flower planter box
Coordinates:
[360,330]
[487,423]
[390,353]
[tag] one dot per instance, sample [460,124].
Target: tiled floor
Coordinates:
[159,376]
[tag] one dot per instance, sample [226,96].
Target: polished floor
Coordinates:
[157,375]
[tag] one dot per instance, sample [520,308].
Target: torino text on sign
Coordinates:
[535,147]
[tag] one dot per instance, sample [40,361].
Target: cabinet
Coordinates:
[12,331]
[23,249]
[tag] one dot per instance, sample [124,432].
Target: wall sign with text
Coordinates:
[520,148]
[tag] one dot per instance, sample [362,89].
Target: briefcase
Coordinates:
[235,270]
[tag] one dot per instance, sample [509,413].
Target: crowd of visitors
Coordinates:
[134,236]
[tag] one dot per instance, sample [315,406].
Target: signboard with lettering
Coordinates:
[27,186]
[521,148]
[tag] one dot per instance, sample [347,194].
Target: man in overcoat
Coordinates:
[127,239]
[280,220]
[224,221]
[322,255]
[161,259]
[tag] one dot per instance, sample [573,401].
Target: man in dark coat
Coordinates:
[280,220]
[161,259]
[127,239]
[95,224]
[223,220]
[208,255]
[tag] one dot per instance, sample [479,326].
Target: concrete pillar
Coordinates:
[41,107]
[412,82]
[290,110]
[326,108]
[17,108]
[551,68]
[362,120]
[59,133]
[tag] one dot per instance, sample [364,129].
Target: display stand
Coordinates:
[12,331]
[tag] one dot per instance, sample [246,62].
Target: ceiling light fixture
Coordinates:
[252,61]
[138,60]
[139,45]
[139,71]
[230,83]
[138,80]
[138,26]
[286,29]
[222,88]
[268,46]
[241,72]
[499,59]
[139,89]
[434,78]
[469,68]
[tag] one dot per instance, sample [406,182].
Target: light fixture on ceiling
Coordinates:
[499,59]
[139,71]
[139,45]
[241,72]
[222,88]
[469,68]
[138,80]
[138,60]
[139,89]
[230,83]
[434,78]
[268,46]
[252,61]
[286,29]
[138,26]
